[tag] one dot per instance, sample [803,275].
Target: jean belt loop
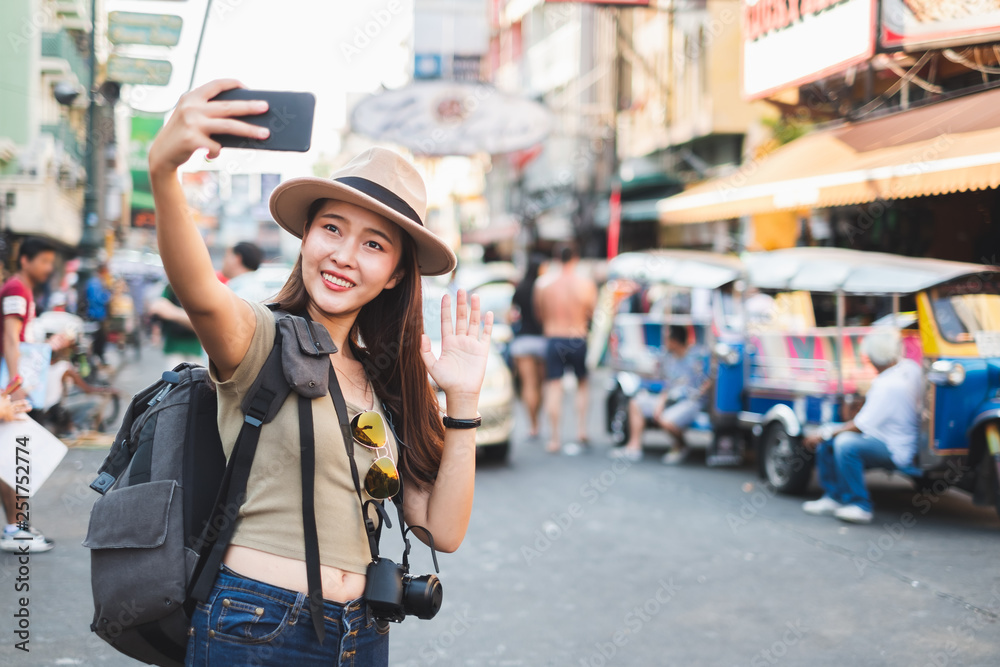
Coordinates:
[300,599]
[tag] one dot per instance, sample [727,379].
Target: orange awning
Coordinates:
[951,146]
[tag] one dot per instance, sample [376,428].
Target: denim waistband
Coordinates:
[352,613]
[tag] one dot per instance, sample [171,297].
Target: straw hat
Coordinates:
[378,180]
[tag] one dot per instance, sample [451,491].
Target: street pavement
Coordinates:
[582,561]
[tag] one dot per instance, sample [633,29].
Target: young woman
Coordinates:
[529,345]
[358,274]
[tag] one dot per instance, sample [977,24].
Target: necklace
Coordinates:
[362,386]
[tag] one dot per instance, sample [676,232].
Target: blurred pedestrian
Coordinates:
[121,316]
[565,304]
[66,414]
[35,263]
[72,297]
[180,342]
[529,344]
[675,409]
[238,266]
[883,434]
[98,296]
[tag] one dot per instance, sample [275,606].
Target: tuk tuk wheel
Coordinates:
[784,462]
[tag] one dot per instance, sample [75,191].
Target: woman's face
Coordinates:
[349,255]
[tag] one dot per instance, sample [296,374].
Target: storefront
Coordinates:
[921,182]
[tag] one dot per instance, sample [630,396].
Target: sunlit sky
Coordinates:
[303,45]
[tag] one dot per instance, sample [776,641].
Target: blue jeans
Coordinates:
[248,622]
[841,464]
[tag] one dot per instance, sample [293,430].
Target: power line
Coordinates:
[201,38]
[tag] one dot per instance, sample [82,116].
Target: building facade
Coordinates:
[886,134]
[45,73]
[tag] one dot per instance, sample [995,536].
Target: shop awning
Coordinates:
[951,146]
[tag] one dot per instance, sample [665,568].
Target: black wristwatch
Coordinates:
[462,423]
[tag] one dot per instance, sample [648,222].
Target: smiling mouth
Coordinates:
[340,282]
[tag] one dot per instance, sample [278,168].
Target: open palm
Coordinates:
[462,365]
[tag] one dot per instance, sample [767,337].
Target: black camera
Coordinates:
[393,594]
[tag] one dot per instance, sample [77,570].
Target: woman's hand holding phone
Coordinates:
[195,118]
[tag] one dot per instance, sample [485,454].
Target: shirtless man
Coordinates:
[565,304]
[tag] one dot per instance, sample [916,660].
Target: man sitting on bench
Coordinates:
[882,435]
[676,408]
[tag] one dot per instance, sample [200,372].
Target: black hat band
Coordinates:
[382,195]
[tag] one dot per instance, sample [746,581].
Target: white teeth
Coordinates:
[337,281]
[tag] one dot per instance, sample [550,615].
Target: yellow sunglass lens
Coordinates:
[369,429]
[382,480]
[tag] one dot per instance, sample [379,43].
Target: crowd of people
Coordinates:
[69,397]
[552,309]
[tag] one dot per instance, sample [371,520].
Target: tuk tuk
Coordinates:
[799,366]
[647,293]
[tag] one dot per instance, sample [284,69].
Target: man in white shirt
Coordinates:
[882,435]
[238,266]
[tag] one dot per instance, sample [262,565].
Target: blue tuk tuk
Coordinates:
[798,364]
[646,293]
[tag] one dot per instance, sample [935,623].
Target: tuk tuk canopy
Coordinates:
[857,272]
[682,268]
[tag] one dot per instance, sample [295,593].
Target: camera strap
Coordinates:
[307,455]
[308,461]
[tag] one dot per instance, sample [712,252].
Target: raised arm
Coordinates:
[446,507]
[223,322]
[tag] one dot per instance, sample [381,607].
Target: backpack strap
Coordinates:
[268,391]
[296,362]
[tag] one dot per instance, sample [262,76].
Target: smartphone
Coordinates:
[289,116]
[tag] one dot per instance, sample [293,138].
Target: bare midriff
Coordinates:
[338,585]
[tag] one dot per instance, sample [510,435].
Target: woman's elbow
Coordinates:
[449,546]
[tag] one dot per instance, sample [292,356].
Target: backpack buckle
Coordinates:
[257,410]
[103,483]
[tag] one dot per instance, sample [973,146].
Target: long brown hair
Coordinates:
[386,339]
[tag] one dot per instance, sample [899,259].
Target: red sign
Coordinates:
[614,221]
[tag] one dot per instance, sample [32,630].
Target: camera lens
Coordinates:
[422,595]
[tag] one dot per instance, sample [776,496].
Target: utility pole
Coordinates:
[91,235]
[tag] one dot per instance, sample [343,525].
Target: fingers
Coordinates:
[487,326]
[474,316]
[446,328]
[462,314]
[425,351]
[237,127]
[213,88]
[214,149]
[230,108]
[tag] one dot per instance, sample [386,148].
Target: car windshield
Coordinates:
[968,310]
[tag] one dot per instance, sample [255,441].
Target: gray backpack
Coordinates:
[169,501]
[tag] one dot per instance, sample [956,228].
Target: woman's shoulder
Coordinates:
[261,342]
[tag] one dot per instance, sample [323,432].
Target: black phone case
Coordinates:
[289,116]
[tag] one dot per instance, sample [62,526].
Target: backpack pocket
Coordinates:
[138,563]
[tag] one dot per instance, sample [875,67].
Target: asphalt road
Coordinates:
[582,561]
